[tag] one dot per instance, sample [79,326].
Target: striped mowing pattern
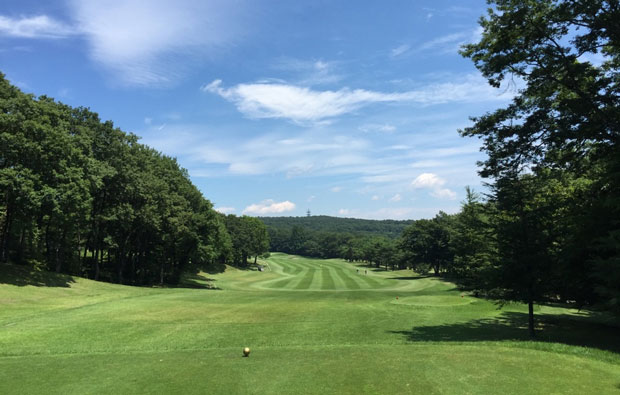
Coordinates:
[295,273]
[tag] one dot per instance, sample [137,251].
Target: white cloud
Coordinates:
[225,210]
[396,198]
[142,42]
[148,121]
[336,189]
[40,26]
[311,198]
[450,43]
[307,72]
[427,180]
[434,183]
[304,105]
[269,206]
[375,197]
[443,193]
[373,127]
[426,164]
[401,49]
[151,42]
[344,211]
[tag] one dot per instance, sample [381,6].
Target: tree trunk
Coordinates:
[4,255]
[530,323]
[96,263]
[58,260]
[255,258]
[121,265]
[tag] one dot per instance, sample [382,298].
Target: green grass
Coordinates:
[314,326]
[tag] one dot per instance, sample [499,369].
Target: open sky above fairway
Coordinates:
[346,108]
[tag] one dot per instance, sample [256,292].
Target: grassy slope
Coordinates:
[314,326]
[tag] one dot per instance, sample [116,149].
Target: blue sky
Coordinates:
[346,108]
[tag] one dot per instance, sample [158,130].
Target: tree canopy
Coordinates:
[553,152]
[80,196]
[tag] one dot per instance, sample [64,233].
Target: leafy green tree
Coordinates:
[427,243]
[564,122]
[473,241]
[259,238]
[80,196]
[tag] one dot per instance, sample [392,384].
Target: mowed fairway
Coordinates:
[314,326]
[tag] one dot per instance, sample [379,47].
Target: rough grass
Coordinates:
[314,326]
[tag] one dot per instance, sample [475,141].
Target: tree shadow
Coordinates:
[575,330]
[197,281]
[27,275]
[215,268]
[409,277]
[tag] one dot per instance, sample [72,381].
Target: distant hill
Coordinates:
[323,223]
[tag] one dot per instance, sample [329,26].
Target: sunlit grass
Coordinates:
[314,326]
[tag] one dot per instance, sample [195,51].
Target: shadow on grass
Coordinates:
[27,275]
[570,330]
[197,281]
[215,268]
[408,278]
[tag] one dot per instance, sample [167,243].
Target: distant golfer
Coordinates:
[365,271]
[358,271]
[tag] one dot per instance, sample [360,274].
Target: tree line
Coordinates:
[80,196]
[551,224]
[322,223]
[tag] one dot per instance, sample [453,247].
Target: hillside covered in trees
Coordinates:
[323,223]
[79,196]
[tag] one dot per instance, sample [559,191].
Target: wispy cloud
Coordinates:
[148,43]
[269,206]
[443,193]
[401,49]
[451,43]
[304,105]
[396,198]
[40,26]
[308,72]
[381,128]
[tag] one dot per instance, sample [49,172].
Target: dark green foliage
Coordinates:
[331,237]
[352,239]
[473,241]
[79,196]
[554,152]
[323,223]
[248,236]
[427,243]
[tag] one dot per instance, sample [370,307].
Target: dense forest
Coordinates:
[322,223]
[79,196]
[332,237]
